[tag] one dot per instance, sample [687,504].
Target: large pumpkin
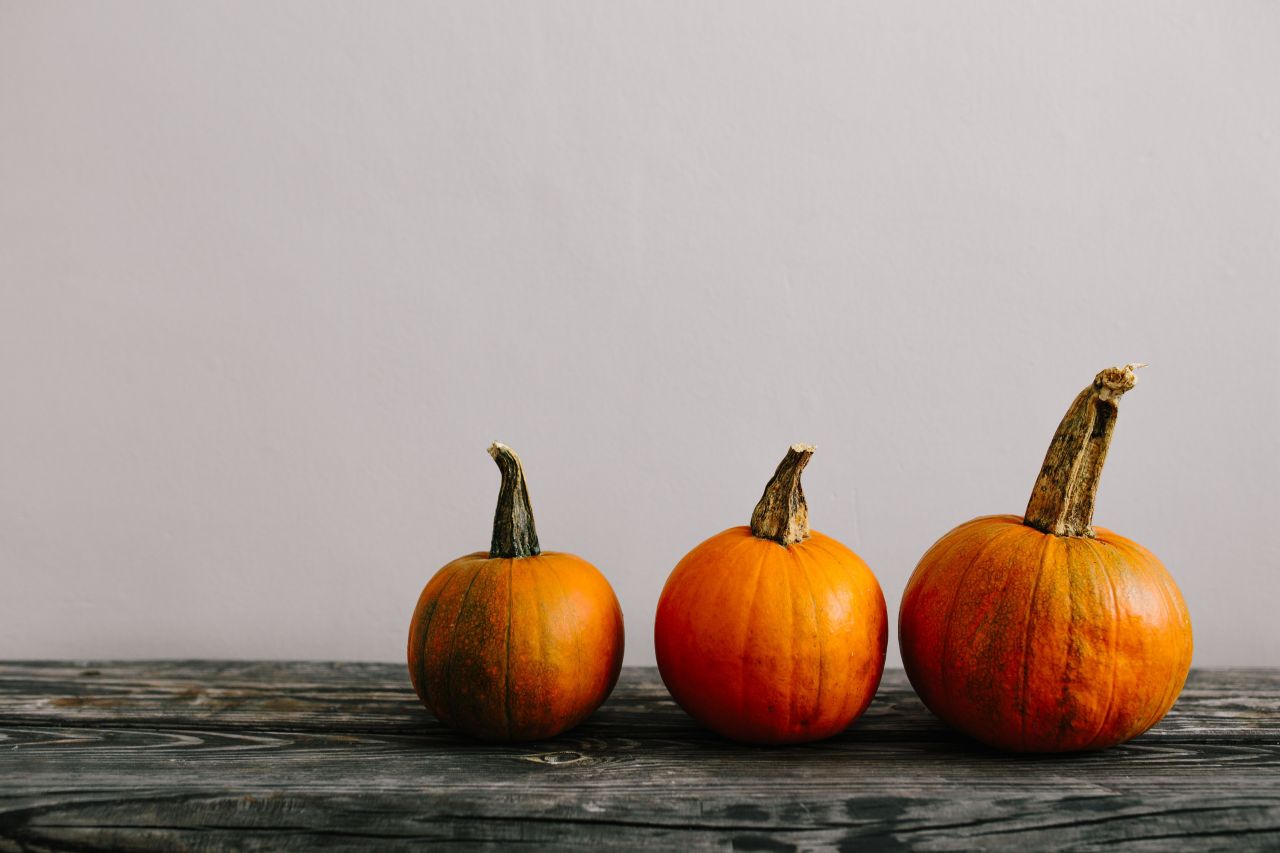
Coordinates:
[772,633]
[515,644]
[1041,633]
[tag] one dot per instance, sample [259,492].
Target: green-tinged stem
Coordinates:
[514,534]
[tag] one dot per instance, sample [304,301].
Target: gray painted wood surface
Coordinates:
[217,755]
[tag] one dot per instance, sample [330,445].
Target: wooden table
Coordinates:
[216,755]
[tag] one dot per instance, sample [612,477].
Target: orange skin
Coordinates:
[770,644]
[512,649]
[1032,642]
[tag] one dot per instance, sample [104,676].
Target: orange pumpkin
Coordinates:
[772,633]
[1041,633]
[515,644]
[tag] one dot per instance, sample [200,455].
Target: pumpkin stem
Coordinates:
[514,534]
[1062,500]
[782,515]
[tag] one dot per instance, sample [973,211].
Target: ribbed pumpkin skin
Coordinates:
[515,649]
[767,644]
[1039,643]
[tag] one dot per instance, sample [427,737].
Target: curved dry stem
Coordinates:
[1063,497]
[514,534]
[782,514]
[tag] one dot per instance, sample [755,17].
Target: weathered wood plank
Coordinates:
[1232,705]
[159,818]
[103,759]
[186,755]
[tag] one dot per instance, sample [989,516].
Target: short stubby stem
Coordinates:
[514,534]
[1063,498]
[782,514]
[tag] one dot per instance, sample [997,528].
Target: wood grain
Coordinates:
[245,755]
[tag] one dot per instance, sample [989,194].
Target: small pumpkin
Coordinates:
[515,643]
[772,633]
[1043,633]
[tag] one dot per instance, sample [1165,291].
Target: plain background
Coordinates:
[272,277]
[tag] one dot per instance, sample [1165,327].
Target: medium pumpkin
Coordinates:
[772,633]
[1041,633]
[515,644]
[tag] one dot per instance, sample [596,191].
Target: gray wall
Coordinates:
[273,277]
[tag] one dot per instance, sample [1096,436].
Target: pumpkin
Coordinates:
[772,633]
[1043,633]
[515,644]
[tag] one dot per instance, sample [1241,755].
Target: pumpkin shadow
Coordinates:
[894,728]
